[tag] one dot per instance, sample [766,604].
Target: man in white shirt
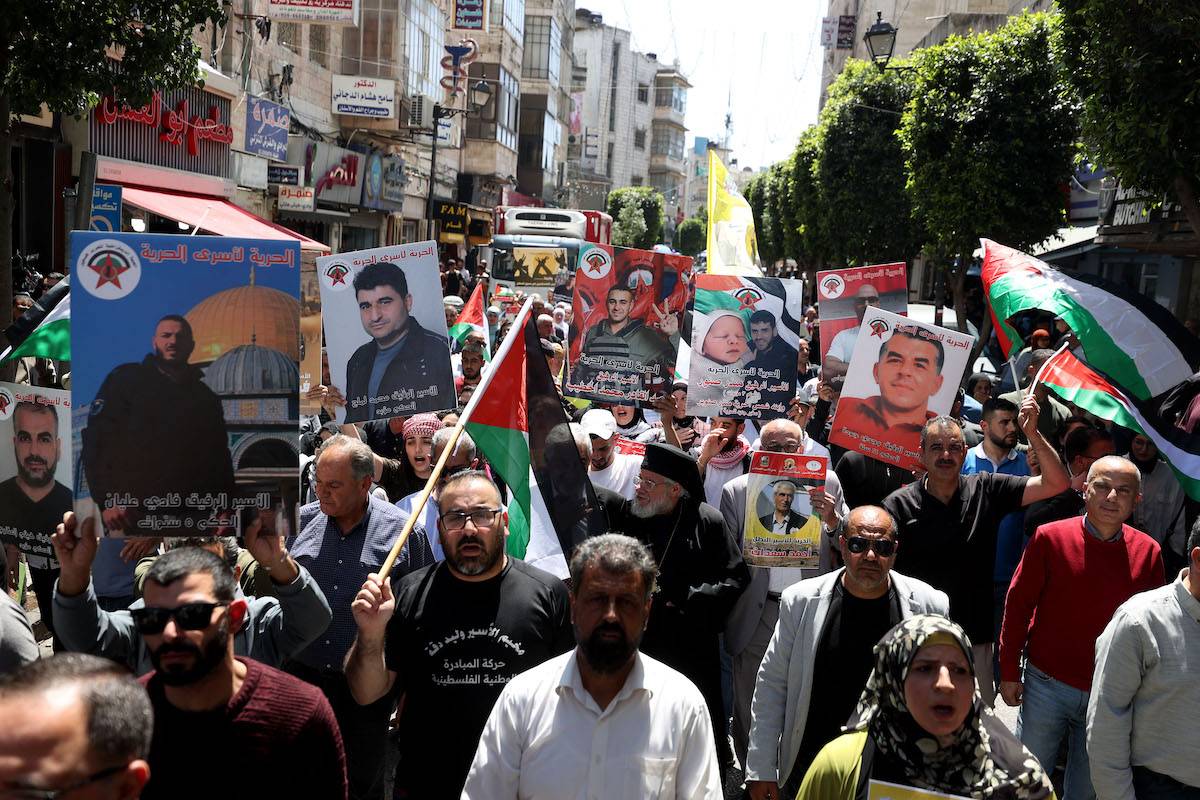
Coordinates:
[608,468]
[602,720]
[750,625]
[842,346]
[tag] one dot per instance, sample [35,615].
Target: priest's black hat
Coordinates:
[671,462]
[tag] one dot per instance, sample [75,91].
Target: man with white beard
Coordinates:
[701,572]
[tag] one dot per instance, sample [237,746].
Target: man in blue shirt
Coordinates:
[998,453]
[343,537]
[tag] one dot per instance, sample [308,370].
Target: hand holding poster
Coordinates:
[845,295]
[186,353]
[628,306]
[385,329]
[902,373]
[744,343]
[34,476]
[782,530]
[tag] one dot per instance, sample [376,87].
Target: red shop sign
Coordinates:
[174,125]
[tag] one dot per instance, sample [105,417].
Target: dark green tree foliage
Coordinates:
[691,236]
[55,52]
[650,201]
[989,138]
[809,217]
[1136,67]
[859,168]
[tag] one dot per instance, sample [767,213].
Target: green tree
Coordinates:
[1136,68]
[691,236]
[989,137]
[649,203]
[859,168]
[629,227]
[808,210]
[55,52]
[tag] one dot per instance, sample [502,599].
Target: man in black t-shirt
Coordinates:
[821,653]
[453,636]
[949,521]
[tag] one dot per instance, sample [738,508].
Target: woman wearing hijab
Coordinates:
[921,723]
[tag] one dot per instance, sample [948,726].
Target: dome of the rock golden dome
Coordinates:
[231,318]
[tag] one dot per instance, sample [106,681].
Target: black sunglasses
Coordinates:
[884,548]
[189,617]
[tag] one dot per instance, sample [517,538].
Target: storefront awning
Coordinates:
[214,214]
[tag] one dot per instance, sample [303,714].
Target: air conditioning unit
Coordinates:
[420,112]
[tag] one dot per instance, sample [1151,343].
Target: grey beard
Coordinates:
[651,509]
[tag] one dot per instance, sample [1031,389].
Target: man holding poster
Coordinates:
[902,374]
[845,296]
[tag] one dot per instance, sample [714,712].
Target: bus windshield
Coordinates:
[536,263]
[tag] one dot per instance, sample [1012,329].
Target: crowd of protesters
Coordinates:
[1039,555]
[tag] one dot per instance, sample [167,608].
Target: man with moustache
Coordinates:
[450,636]
[823,641]
[144,416]
[33,501]
[582,719]
[276,733]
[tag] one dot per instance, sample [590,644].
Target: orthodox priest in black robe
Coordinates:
[701,572]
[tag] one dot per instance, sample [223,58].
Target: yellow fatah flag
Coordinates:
[732,248]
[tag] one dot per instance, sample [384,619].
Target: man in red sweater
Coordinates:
[1073,576]
[276,735]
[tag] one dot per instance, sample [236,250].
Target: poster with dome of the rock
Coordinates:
[185,381]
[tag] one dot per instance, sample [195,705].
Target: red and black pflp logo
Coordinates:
[879,327]
[832,287]
[748,297]
[337,274]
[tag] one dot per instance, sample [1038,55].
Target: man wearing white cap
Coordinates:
[608,468]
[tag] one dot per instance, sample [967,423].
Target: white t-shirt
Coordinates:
[842,346]
[618,476]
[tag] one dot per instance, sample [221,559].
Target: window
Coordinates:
[639,138]
[499,120]
[288,35]
[671,96]
[643,93]
[608,161]
[370,49]
[668,141]
[612,91]
[318,44]
[508,15]
[425,43]
[636,180]
[543,49]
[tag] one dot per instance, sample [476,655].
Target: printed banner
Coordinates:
[186,372]
[845,295]
[781,528]
[879,790]
[359,96]
[314,367]
[35,479]
[385,330]
[901,374]
[732,245]
[628,308]
[326,12]
[267,126]
[744,343]
[540,266]
[469,15]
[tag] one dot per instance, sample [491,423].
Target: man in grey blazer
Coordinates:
[824,638]
[750,625]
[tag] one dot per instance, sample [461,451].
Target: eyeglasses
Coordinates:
[650,485]
[884,548]
[480,518]
[189,617]
[17,792]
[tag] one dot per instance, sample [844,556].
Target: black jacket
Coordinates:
[423,361]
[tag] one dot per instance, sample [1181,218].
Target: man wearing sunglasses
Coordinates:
[452,635]
[824,640]
[276,733]
[75,726]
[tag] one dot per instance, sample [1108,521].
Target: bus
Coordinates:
[537,249]
[590,226]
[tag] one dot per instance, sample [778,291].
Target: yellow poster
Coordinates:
[878,790]
[538,266]
[781,528]
[732,246]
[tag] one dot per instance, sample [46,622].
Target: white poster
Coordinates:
[35,468]
[360,96]
[325,12]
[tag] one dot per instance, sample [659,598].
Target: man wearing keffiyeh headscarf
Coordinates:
[921,723]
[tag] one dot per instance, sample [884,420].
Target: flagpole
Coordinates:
[517,329]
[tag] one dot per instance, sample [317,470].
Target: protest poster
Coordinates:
[539,266]
[186,355]
[781,528]
[744,337]
[35,478]
[386,303]
[881,790]
[845,295]
[628,307]
[311,367]
[628,447]
[901,374]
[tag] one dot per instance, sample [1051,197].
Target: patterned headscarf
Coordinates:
[985,760]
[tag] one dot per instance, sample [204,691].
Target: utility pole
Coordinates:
[437,115]
[247,42]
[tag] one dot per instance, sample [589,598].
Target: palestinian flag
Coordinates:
[472,319]
[44,330]
[1074,381]
[520,427]
[1124,335]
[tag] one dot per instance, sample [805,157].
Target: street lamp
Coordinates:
[478,97]
[881,41]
